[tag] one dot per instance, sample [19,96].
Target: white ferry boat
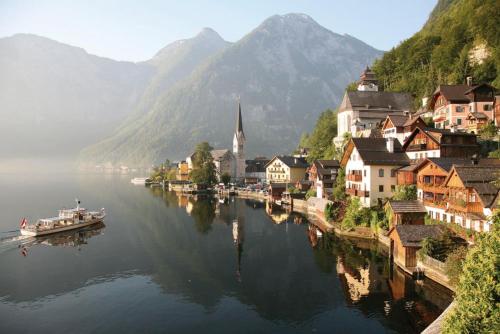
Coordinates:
[140,181]
[68,219]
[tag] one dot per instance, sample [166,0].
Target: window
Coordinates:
[393,188]
[446,123]
[381,172]
[364,172]
[459,121]
[393,173]
[487,107]
[380,189]
[459,109]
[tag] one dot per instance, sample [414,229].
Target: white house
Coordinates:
[370,166]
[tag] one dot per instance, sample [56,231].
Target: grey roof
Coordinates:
[454,93]
[379,100]
[256,165]
[398,120]
[239,123]
[291,161]
[412,235]
[219,154]
[447,163]
[322,163]
[478,115]
[481,179]
[407,206]
[373,151]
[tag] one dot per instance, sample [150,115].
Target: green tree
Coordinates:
[338,192]
[320,141]
[477,308]
[311,193]
[489,131]
[225,178]
[454,264]
[405,192]
[203,165]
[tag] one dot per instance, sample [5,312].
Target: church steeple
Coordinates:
[239,123]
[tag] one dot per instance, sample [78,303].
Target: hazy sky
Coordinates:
[135,30]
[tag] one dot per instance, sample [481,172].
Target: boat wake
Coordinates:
[12,240]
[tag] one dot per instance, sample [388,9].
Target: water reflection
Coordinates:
[213,261]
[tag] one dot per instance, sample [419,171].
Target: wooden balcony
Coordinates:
[416,147]
[430,187]
[435,204]
[357,193]
[463,206]
[354,177]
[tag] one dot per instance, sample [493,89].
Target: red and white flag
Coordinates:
[24,222]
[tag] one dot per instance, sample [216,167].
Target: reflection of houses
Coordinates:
[370,165]
[277,214]
[357,281]
[405,212]
[323,174]
[406,241]
[363,110]
[430,142]
[284,168]
[452,103]
[255,171]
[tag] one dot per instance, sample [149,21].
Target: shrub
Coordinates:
[331,211]
[454,264]
[310,193]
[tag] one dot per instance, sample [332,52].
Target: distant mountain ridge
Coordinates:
[286,71]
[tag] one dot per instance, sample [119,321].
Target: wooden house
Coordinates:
[405,241]
[323,174]
[435,143]
[476,121]
[276,190]
[405,212]
[472,195]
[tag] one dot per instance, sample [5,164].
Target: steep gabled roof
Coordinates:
[290,161]
[412,235]
[373,151]
[397,120]
[219,154]
[454,93]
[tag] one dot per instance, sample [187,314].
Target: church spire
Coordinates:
[239,122]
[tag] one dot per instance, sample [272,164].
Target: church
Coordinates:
[225,161]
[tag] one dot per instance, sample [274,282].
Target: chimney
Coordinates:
[474,159]
[424,101]
[390,144]
[469,81]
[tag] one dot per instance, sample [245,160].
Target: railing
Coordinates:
[435,204]
[417,147]
[432,262]
[430,187]
[354,177]
[357,192]
[465,206]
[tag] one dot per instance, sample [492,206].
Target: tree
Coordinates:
[225,178]
[405,192]
[478,290]
[203,165]
[454,264]
[320,141]
[489,131]
[338,192]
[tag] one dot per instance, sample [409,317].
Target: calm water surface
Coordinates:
[163,263]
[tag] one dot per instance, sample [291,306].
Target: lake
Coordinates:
[163,263]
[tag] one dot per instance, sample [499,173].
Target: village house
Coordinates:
[406,240]
[476,121]
[496,111]
[410,212]
[286,169]
[225,163]
[451,104]
[370,166]
[322,175]
[473,195]
[255,171]
[401,126]
[430,142]
[362,111]
[182,171]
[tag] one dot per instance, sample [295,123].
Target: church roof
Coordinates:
[239,123]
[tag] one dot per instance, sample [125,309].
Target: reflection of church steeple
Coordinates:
[238,238]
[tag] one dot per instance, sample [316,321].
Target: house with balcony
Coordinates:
[401,126]
[322,175]
[435,143]
[452,103]
[286,169]
[475,121]
[473,196]
[370,165]
[362,111]
[255,170]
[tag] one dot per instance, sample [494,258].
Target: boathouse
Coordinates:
[405,212]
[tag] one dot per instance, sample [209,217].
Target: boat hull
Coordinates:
[60,229]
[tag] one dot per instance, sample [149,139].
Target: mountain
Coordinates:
[286,72]
[460,39]
[56,99]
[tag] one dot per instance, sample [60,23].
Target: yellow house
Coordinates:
[283,168]
[182,171]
